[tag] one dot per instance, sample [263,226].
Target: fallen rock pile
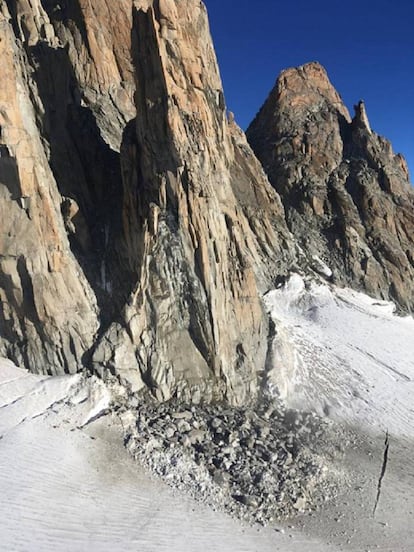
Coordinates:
[260,464]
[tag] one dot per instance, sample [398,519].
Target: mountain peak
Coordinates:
[307,86]
[347,196]
[312,71]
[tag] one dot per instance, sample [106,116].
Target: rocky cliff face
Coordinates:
[139,231]
[347,197]
[204,229]
[152,263]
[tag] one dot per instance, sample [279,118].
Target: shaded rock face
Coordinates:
[78,37]
[347,197]
[48,313]
[97,39]
[204,229]
[65,96]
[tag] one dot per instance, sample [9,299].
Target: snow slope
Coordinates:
[72,487]
[345,355]
[67,483]
[349,357]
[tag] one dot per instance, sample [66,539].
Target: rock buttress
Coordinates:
[204,230]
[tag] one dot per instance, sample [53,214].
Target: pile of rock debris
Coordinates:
[259,464]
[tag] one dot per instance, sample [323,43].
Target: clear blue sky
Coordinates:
[366,46]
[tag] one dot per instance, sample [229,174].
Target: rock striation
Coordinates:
[204,229]
[65,97]
[347,196]
[48,313]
